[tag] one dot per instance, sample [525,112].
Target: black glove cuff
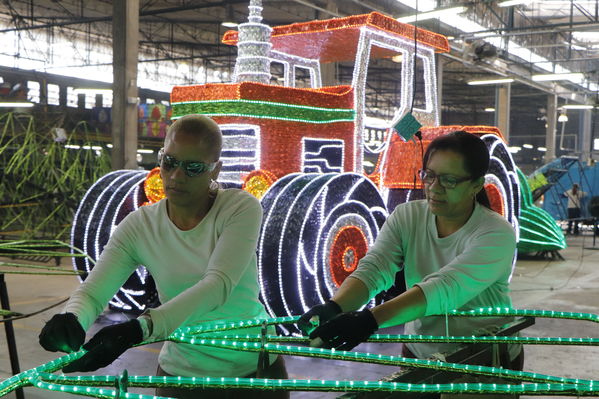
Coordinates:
[137,335]
[334,305]
[371,320]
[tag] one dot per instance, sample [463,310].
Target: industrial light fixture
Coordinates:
[91,91]
[577,106]
[510,3]
[489,109]
[514,149]
[445,12]
[542,149]
[397,58]
[562,117]
[527,146]
[587,35]
[557,76]
[19,104]
[229,21]
[490,81]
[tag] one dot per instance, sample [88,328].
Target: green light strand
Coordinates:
[401,338]
[234,325]
[548,314]
[315,385]
[23,378]
[24,247]
[384,360]
[87,390]
[543,384]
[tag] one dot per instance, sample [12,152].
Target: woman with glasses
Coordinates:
[456,254]
[199,244]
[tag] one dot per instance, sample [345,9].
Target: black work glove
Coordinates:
[108,344]
[323,312]
[346,330]
[62,332]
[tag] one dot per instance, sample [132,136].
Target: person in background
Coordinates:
[199,244]
[457,254]
[575,196]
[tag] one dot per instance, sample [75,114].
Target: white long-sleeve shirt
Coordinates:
[575,200]
[466,270]
[204,274]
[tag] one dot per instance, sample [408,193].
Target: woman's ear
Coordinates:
[478,184]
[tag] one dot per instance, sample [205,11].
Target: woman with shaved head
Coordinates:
[199,244]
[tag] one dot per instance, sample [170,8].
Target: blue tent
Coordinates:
[555,203]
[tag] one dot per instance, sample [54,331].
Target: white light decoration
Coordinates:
[253,62]
[315,225]
[240,153]
[369,38]
[291,62]
[504,176]
[303,213]
[322,155]
[113,196]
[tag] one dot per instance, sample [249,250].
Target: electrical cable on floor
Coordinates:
[580,263]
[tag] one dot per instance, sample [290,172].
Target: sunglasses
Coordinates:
[191,168]
[446,181]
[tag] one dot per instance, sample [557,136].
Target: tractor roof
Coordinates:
[334,40]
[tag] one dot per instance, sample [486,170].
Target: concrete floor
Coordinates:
[568,285]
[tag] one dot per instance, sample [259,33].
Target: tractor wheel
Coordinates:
[316,227]
[102,208]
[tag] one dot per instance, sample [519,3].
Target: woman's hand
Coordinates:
[346,330]
[317,316]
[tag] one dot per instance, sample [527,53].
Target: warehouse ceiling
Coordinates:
[563,32]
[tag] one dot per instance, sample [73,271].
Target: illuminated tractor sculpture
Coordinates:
[301,151]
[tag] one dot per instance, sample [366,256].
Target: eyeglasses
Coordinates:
[446,181]
[191,168]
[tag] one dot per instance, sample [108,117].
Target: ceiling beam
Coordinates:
[141,15]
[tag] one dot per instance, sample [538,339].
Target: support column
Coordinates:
[125,41]
[502,109]
[586,135]
[439,86]
[551,128]
[62,96]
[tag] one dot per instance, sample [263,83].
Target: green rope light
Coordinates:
[28,248]
[264,110]
[551,314]
[387,360]
[58,383]
[531,383]
[400,338]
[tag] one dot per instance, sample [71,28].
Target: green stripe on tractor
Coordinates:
[263,110]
